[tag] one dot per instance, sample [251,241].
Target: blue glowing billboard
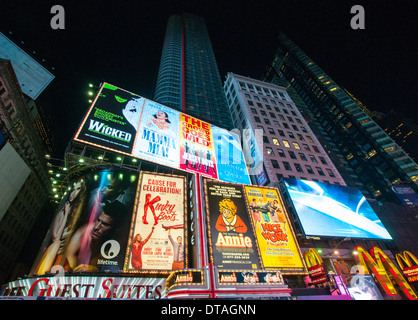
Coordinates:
[334,211]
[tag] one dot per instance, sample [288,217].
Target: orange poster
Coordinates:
[275,236]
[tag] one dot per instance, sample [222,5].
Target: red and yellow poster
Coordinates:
[157,239]
[275,235]
[197,153]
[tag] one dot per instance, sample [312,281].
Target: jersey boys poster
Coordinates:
[196,147]
[158,138]
[275,235]
[232,241]
[112,120]
[157,239]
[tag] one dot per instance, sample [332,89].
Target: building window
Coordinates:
[315,148]
[254,110]
[306,147]
[281,153]
[276,142]
[275,164]
[291,135]
[330,173]
[313,159]
[300,137]
[265,139]
[257,119]
[323,161]
[281,133]
[298,167]
[286,143]
[292,155]
[269,151]
[287,166]
[271,130]
[303,129]
[267,121]
[309,169]
[279,176]
[309,138]
[296,145]
[303,157]
[320,172]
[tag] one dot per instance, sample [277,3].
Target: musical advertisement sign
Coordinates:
[232,241]
[158,138]
[275,235]
[197,152]
[157,237]
[112,120]
[124,122]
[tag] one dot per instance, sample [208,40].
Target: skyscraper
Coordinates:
[188,78]
[372,160]
[288,148]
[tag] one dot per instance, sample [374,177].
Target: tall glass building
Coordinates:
[372,161]
[188,78]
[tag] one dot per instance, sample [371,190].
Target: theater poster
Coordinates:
[158,135]
[112,120]
[232,241]
[90,230]
[157,236]
[275,236]
[197,152]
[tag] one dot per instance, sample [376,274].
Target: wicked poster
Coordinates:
[157,231]
[112,120]
[232,241]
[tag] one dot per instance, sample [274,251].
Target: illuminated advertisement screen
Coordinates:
[275,236]
[127,123]
[112,120]
[334,211]
[232,241]
[33,77]
[158,138]
[406,194]
[197,152]
[90,229]
[157,229]
[229,157]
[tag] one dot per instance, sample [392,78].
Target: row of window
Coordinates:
[281,153]
[287,144]
[298,167]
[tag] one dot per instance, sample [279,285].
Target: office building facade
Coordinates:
[372,160]
[288,148]
[188,77]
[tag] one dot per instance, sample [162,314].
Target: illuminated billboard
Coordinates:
[248,228]
[33,77]
[229,157]
[112,120]
[231,237]
[127,123]
[275,236]
[90,230]
[157,236]
[157,139]
[334,211]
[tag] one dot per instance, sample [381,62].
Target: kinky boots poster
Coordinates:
[232,241]
[157,237]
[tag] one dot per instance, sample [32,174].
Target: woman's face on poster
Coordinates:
[76,190]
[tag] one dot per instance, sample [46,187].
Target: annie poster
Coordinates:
[275,235]
[197,153]
[158,135]
[157,238]
[232,241]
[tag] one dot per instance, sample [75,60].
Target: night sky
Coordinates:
[120,42]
